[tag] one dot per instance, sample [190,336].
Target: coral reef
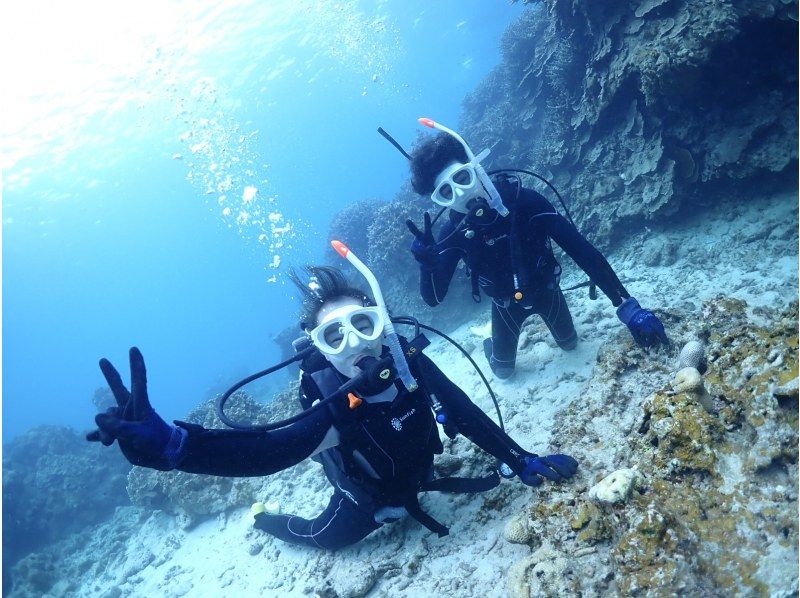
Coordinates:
[518,529]
[707,475]
[55,483]
[693,355]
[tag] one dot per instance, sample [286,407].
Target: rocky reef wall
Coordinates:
[639,112]
[645,109]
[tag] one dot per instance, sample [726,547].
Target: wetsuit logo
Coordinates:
[397,422]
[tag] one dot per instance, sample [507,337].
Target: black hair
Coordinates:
[330,284]
[431,157]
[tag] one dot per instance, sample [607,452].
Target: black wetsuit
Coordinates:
[376,456]
[491,258]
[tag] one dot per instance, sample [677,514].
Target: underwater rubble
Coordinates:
[682,494]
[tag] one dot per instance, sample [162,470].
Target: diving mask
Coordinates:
[479,178]
[349,330]
[456,186]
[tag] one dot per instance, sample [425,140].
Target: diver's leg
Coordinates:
[341,524]
[501,349]
[555,313]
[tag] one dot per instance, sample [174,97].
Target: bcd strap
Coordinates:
[416,346]
[476,288]
[456,485]
[452,485]
[413,508]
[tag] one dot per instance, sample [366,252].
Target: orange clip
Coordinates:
[354,400]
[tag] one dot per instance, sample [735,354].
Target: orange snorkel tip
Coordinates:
[340,248]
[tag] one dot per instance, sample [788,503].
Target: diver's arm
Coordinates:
[588,258]
[147,440]
[470,419]
[239,453]
[435,275]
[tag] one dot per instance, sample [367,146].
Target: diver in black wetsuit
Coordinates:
[376,445]
[503,232]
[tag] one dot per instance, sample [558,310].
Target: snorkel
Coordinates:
[391,336]
[495,202]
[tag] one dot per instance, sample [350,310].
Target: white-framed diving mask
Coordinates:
[456,185]
[348,330]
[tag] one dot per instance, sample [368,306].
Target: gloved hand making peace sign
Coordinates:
[144,438]
[424,245]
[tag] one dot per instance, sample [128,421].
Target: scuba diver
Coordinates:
[503,232]
[370,418]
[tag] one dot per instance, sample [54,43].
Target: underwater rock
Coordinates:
[592,524]
[544,573]
[636,110]
[616,487]
[693,355]
[788,390]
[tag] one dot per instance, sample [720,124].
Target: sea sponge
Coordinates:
[693,355]
[615,488]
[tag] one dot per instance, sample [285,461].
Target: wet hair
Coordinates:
[330,284]
[431,157]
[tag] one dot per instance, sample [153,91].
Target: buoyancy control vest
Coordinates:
[386,445]
[510,255]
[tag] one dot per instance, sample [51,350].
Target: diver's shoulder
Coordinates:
[525,199]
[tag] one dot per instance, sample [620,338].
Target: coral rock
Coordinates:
[688,379]
[518,530]
[693,355]
[615,488]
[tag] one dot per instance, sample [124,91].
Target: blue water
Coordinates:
[133,129]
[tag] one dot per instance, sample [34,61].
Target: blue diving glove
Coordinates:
[144,438]
[424,245]
[552,467]
[646,328]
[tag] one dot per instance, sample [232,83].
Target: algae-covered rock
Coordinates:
[653,557]
[593,524]
[715,510]
[686,444]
